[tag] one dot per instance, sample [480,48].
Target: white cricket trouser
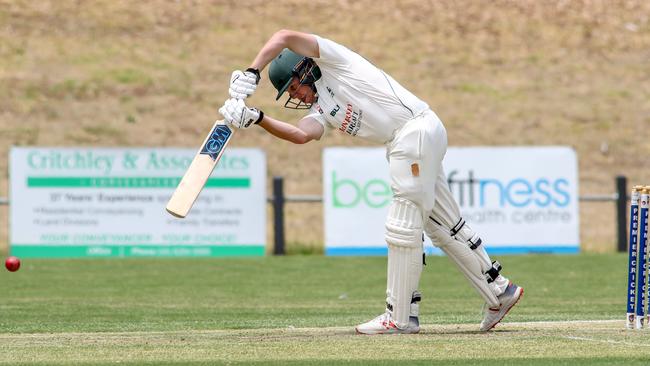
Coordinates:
[415,158]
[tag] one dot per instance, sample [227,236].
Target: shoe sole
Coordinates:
[385,333]
[521,294]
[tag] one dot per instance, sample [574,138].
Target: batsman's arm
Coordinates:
[308,129]
[301,43]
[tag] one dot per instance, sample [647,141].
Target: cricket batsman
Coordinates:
[342,90]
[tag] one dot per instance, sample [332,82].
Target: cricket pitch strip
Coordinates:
[516,341]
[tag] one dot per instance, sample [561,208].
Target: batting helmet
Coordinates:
[289,64]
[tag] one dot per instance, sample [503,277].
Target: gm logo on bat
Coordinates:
[216,141]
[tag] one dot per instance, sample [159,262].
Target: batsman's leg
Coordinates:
[464,247]
[414,158]
[404,238]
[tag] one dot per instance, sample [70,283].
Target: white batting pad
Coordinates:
[439,227]
[404,238]
[465,259]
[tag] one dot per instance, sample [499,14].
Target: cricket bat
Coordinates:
[199,171]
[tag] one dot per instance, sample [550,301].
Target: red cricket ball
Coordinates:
[12,264]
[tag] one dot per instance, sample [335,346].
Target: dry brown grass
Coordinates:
[497,72]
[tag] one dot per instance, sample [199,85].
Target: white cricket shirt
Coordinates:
[357,98]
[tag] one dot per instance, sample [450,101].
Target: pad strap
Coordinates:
[459,225]
[415,298]
[473,242]
[492,273]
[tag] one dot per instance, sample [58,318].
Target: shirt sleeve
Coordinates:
[334,54]
[318,116]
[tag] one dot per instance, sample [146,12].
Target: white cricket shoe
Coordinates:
[384,324]
[508,299]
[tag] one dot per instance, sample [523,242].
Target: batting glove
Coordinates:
[243,84]
[237,114]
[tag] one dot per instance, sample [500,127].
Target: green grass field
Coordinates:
[302,310]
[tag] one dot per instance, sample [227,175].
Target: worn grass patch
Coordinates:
[561,343]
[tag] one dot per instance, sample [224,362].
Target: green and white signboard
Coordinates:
[520,199]
[110,202]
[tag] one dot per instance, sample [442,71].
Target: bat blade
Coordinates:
[199,171]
